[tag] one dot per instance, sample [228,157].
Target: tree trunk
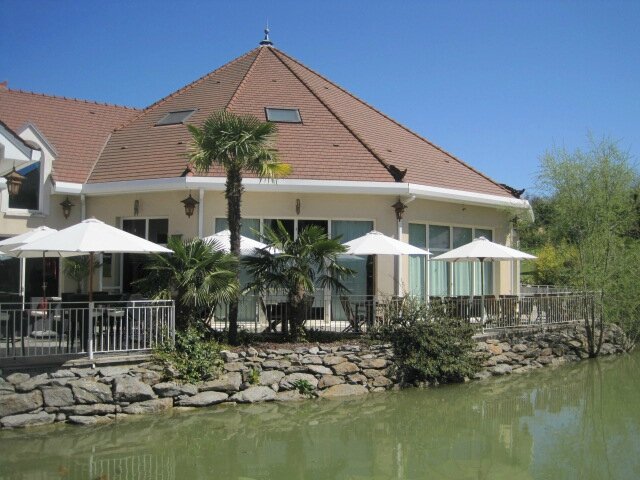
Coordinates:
[233,194]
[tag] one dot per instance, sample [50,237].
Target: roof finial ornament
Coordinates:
[266,41]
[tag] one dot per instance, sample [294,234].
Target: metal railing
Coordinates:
[359,313]
[75,328]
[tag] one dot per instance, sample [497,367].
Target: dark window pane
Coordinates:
[158,230]
[137,227]
[323,224]
[29,195]
[273,224]
[174,118]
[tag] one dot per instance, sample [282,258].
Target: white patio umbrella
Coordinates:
[248,246]
[90,236]
[481,249]
[377,243]
[9,244]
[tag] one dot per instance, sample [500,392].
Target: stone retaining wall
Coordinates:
[90,396]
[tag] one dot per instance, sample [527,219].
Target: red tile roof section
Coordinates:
[340,138]
[77,129]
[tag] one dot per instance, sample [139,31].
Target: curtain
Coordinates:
[488,266]
[439,242]
[462,271]
[417,263]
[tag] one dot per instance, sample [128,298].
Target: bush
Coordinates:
[303,387]
[428,346]
[195,355]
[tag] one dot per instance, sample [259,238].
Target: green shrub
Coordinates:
[195,355]
[303,387]
[428,346]
[254,376]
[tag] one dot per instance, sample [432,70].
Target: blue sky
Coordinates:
[495,83]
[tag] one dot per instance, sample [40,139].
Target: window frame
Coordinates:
[288,109]
[160,123]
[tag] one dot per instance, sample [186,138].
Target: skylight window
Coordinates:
[175,118]
[286,115]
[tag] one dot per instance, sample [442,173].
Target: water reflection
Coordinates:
[579,421]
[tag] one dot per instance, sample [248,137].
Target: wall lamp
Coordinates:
[189,205]
[66,207]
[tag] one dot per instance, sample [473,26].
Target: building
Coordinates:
[354,170]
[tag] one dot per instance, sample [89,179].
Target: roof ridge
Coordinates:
[370,149]
[396,122]
[186,87]
[73,99]
[244,79]
[95,162]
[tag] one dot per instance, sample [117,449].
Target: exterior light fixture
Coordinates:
[189,205]
[399,207]
[66,207]
[14,182]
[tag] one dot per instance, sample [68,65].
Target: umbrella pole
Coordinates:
[44,279]
[483,315]
[91,277]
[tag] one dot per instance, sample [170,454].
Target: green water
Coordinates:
[574,422]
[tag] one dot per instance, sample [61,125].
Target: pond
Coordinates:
[577,421]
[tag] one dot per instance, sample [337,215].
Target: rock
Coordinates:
[373,363]
[505,346]
[290,396]
[276,364]
[84,372]
[344,390]
[88,421]
[382,382]
[62,374]
[575,344]
[296,369]
[15,403]
[60,417]
[331,360]
[88,390]
[91,409]
[235,367]
[494,349]
[156,405]
[482,374]
[500,358]
[546,352]
[254,394]
[229,382]
[312,359]
[546,360]
[288,380]
[371,373]
[345,368]
[228,356]
[284,351]
[319,369]
[501,369]
[130,389]
[519,348]
[27,420]
[357,378]
[269,377]
[521,370]
[173,389]
[33,383]
[6,388]
[150,377]
[252,352]
[16,378]
[330,381]
[205,399]
[57,396]
[115,371]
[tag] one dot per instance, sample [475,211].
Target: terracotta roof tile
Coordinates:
[77,129]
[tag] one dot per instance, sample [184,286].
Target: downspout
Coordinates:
[201,213]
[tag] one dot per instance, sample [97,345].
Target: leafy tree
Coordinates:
[196,276]
[238,144]
[77,269]
[299,267]
[595,211]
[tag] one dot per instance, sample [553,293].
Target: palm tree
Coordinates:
[197,276]
[238,144]
[77,268]
[299,267]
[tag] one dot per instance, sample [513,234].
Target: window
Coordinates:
[285,115]
[175,118]
[458,278]
[29,196]
[153,229]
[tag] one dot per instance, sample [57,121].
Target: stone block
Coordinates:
[156,405]
[288,380]
[173,389]
[204,399]
[229,382]
[345,368]
[329,381]
[130,389]
[27,420]
[254,394]
[57,396]
[343,390]
[87,390]
[16,403]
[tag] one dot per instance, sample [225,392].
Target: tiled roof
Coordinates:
[77,129]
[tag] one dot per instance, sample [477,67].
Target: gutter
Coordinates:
[297,186]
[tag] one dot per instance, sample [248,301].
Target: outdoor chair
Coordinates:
[356,320]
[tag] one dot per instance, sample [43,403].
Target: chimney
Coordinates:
[4,85]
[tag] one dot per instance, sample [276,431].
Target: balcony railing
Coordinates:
[77,328]
[359,313]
